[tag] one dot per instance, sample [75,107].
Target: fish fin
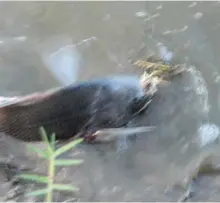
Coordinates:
[139,104]
[109,134]
[25,100]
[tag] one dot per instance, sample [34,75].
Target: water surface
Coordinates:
[41,41]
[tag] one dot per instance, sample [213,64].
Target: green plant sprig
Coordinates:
[51,154]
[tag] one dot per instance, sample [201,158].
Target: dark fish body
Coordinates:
[80,108]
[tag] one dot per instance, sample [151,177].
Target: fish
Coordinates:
[96,109]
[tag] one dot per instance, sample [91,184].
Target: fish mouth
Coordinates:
[149,84]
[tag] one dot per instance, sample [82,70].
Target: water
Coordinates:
[100,38]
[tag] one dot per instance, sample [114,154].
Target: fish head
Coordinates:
[149,84]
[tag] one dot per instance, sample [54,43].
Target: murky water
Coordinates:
[99,38]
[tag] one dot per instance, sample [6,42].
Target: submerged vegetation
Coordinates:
[155,67]
[51,154]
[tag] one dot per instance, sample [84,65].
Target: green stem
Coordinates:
[51,174]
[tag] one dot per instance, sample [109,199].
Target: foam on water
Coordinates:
[200,88]
[4,101]
[208,133]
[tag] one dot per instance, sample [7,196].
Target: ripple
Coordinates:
[141,14]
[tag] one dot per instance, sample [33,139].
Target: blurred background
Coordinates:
[49,44]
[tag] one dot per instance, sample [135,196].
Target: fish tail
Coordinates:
[3,119]
[11,117]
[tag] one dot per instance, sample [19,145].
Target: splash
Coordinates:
[164,53]
[200,88]
[64,64]
[208,133]
[198,15]
[7,100]
[141,14]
